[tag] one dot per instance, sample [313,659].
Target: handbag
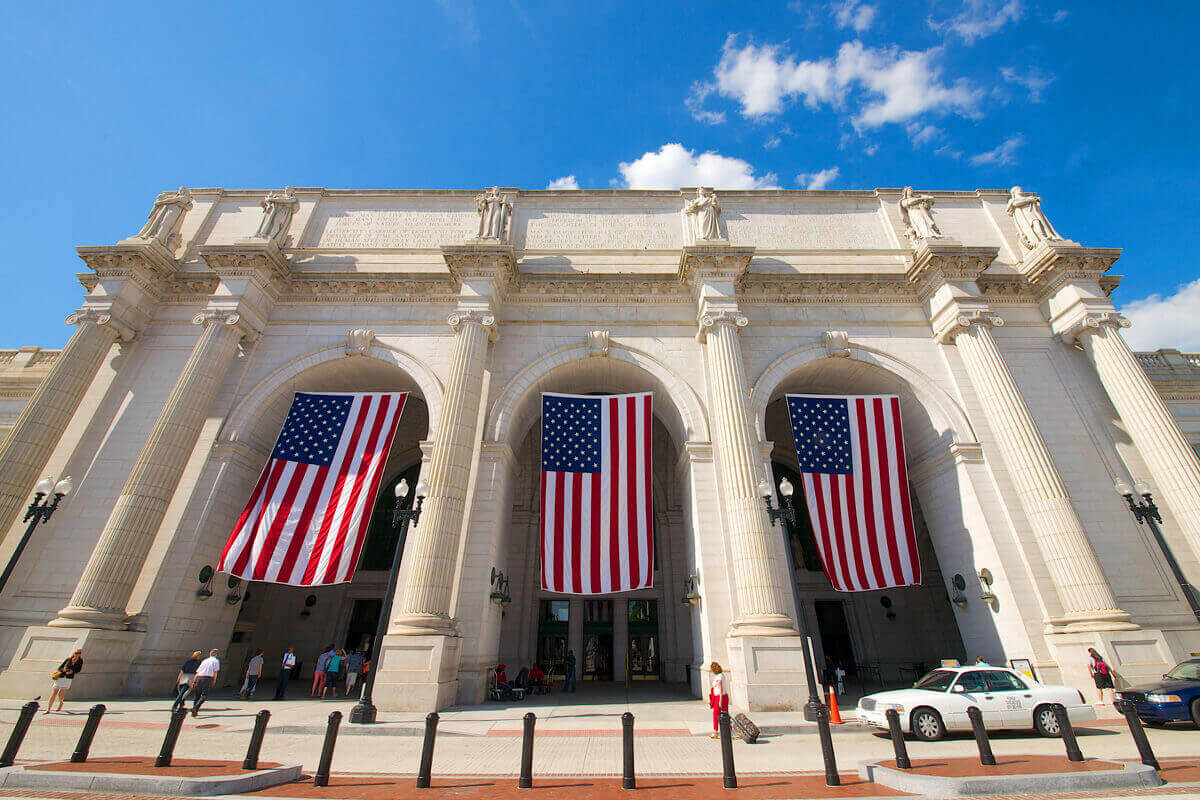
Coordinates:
[56,674]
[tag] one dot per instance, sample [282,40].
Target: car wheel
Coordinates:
[1045,722]
[927,725]
[1196,712]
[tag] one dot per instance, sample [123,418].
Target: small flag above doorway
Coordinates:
[307,517]
[851,452]
[597,524]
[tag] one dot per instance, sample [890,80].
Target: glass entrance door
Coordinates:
[644,654]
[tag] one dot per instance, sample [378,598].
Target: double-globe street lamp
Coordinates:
[364,711]
[39,511]
[787,512]
[1145,511]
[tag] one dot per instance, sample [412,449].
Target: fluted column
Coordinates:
[761,604]
[433,549]
[1086,598]
[103,592]
[1172,462]
[41,424]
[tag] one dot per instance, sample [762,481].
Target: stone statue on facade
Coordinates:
[1033,227]
[707,213]
[495,211]
[278,209]
[917,210]
[166,218]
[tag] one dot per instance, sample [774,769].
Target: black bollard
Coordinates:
[331,730]
[981,738]
[18,734]
[893,718]
[526,779]
[1134,722]
[425,771]
[168,745]
[1068,733]
[87,734]
[727,769]
[832,778]
[256,739]
[628,781]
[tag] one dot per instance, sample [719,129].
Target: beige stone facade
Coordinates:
[1021,406]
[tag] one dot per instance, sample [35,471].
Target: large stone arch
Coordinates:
[244,416]
[516,407]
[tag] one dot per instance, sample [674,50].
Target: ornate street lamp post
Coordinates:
[364,712]
[1146,513]
[787,512]
[39,511]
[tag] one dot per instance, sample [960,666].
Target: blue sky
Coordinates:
[1093,105]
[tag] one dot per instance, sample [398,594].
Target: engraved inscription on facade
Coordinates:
[354,228]
[795,229]
[598,229]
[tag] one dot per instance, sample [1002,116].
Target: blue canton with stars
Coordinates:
[570,433]
[821,427]
[313,428]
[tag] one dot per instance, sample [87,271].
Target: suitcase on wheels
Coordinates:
[746,730]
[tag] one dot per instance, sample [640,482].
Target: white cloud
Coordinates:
[695,104]
[887,84]
[565,182]
[1004,153]
[1171,321]
[978,19]
[817,180]
[1034,81]
[922,134]
[772,142]
[854,14]
[674,165]
[1060,16]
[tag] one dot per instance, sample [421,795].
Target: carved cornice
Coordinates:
[713,262]
[368,290]
[1054,263]
[146,263]
[599,290]
[1004,289]
[253,258]
[961,323]
[936,262]
[814,290]
[482,260]
[485,318]
[104,319]
[709,320]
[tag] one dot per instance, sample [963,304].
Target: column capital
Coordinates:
[1092,322]
[229,319]
[963,322]
[103,318]
[487,319]
[711,319]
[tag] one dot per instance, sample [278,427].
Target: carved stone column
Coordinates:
[1087,600]
[37,430]
[433,547]
[761,605]
[1172,462]
[103,592]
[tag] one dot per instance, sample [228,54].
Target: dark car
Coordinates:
[1176,698]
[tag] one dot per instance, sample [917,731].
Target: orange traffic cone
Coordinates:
[835,716]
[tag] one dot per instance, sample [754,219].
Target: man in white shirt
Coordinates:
[285,672]
[253,673]
[206,676]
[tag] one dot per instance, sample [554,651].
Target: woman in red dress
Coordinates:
[718,696]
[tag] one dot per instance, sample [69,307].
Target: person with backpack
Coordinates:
[1101,674]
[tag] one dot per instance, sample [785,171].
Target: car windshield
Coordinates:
[1187,671]
[937,681]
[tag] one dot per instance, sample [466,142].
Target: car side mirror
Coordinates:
[957,689]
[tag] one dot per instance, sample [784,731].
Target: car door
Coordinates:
[972,686]
[1014,697]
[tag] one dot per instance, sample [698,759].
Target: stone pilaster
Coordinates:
[1087,601]
[37,430]
[100,598]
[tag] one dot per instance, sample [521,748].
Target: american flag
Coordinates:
[308,515]
[597,529]
[851,452]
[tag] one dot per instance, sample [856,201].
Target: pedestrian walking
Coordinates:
[61,679]
[206,676]
[185,678]
[1101,674]
[319,674]
[569,672]
[333,672]
[354,670]
[718,696]
[285,672]
[253,673]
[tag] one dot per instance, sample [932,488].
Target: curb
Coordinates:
[21,778]
[1133,776]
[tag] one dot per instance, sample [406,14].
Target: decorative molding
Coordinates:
[710,319]
[1054,263]
[104,319]
[485,318]
[960,323]
[937,262]
[825,289]
[597,343]
[231,319]
[482,260]
[713,261]
[252,258]
[1092,322]
[146,263]
[367,290]
[358,341]
[837,343]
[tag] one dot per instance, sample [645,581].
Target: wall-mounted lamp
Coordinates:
[886,602]
[309,602]
[234,597]
[960,585]
[691,589]
[500,594]
[985,584]
[206,579]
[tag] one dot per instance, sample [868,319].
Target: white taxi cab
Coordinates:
[939,701]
